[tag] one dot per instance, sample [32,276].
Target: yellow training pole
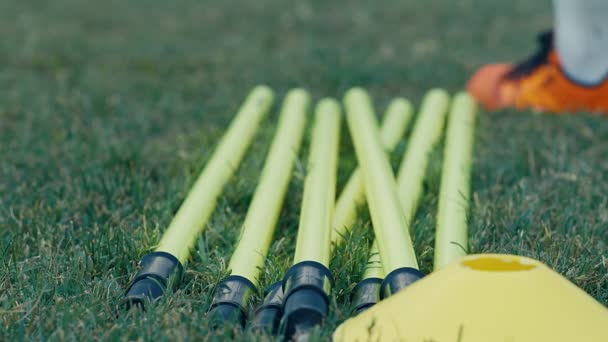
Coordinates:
[232,294]
[308,282]
[313,240]
[172,252]
[410,180]
[396,120]
[394,241]
[263,213]
[193,214]
[451,236]
[425,135]
[397,117]
[373,268]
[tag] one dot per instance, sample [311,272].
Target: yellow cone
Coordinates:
[480,298]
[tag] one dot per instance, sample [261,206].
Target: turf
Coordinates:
[109,109]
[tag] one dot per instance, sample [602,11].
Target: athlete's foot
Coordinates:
[537,83]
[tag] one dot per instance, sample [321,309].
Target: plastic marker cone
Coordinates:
[397,117]
[482,298]
[163,268]
[393,239]
[307,284]
[426,133]
[232,294]
[451,236]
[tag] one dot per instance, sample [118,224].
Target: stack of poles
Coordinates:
[426,134]
[163,268]
[394,241]
[308,283]
[396,120]
[301,299]
[454,197]
[232,294]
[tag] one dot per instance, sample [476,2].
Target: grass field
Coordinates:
[109,109]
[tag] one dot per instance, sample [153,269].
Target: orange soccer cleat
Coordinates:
[538,83]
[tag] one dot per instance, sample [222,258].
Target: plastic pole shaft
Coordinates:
[426,134]
[425,137]
[259,225]
[196,209]
[454,195]
[394,241]
[314,231]
[373,268]
[397,117]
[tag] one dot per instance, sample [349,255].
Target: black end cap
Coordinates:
[268,316]
[366,294]
[157,272]
[304,309]
[225,312]
[399,279]
[306,286]
[229,302]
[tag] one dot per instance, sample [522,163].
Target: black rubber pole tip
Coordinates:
[146,289]
[224,313]
[157,272]
[399,279]
[268,316]
[366,294]
[229,304]
[306,286]
[304,309]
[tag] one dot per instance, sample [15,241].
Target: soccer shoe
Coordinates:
[538,83]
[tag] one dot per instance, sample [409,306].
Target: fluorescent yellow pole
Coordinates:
[307,284]
[259,225]
[196,209]
[451,236]
[232,294]
[425,136]
[373,268]
[314,231]
[393,239]
[163,268]
[397,117]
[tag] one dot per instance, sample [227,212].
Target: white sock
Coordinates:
[581,38]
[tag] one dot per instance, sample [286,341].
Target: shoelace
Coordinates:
[545,41]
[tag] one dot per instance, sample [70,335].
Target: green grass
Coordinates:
[109,109]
